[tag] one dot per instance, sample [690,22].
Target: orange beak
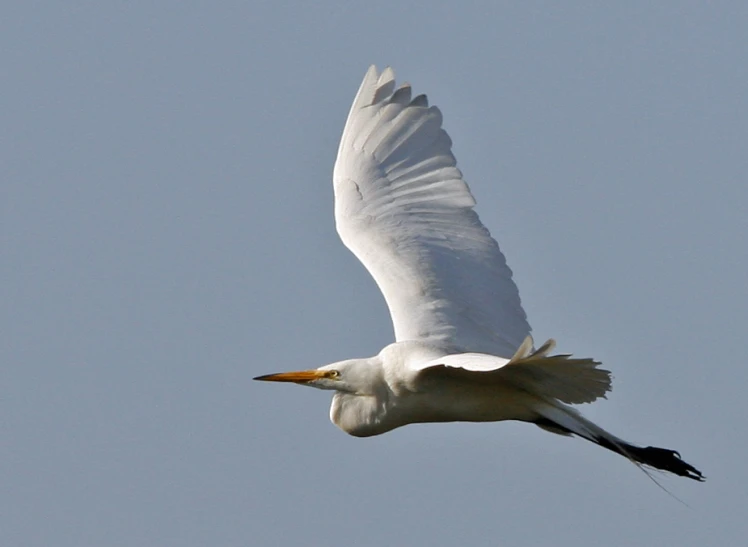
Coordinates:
[300,377]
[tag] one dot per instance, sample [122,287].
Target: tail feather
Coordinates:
[564,420]
[563,377]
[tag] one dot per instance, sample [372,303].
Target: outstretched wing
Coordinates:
[402,207]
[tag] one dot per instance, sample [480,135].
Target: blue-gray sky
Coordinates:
[167,234]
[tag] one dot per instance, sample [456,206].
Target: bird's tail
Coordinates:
[561,419]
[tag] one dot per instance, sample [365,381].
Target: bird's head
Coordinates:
[357,376]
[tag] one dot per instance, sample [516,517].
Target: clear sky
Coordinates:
[167,234]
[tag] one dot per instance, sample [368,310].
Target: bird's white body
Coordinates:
[463,349]
[421,382]
[404,394]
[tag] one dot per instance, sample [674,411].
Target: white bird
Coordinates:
[463,349]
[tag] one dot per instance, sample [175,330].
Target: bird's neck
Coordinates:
[359,415]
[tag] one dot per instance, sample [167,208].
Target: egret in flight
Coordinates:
[463,350]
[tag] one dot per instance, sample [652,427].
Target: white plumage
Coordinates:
[404,210]
[463,350]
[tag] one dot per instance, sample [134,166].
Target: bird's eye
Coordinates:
[333,374]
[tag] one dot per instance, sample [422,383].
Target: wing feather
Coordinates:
[563,377]
[403,208]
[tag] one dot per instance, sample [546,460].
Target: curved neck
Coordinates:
[361,409]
